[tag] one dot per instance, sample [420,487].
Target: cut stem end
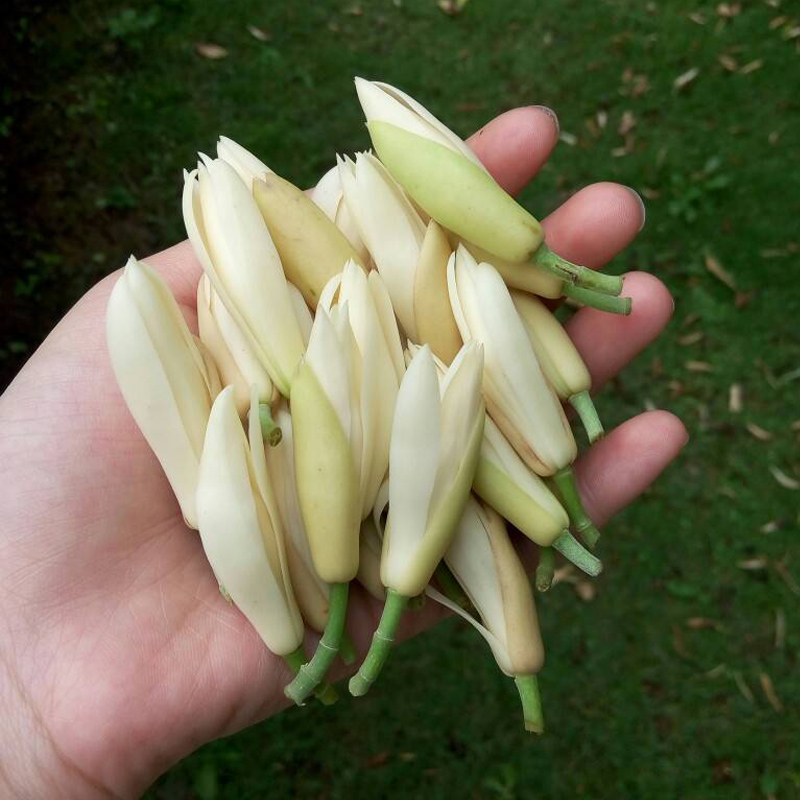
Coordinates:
[598,300]
[583,405]
[270,431]
[545,569]
[564,480]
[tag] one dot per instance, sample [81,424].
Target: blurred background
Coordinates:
[674,674]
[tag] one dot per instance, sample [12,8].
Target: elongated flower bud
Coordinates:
[436,439]
[560,360]
[326,406]
[488,568]
[311,247]
[234,247]
[230,350]
[240,526]
[507,484]
[411,256]
[518,396]
[328,195]
[310,590]
[380,357]
[445,179]
[248,167]
[162,376]
[369,561]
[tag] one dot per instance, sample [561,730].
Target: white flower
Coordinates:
[235,250]
[436,438]
[162,375]
[518,397]
[248,167]
[240,526]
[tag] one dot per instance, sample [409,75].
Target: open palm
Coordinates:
[117,654]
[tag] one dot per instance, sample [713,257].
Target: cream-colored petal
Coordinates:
[414,459]
[248,167]
[328,193]
[301,312]
[231,533]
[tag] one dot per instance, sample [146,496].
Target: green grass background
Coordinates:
[104,103]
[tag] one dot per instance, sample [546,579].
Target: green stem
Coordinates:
[451,588]
[564,480]
[325,693]
[381,646]
[270,431]
[545,258]
[528,687]
[545,568]
[573,551]
[582,403]
[598,300]
[347,650]
[312,673]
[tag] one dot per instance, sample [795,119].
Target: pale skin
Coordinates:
[118,656]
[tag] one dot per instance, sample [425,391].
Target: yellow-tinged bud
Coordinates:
[311,247]
[162,375]
[310,590]
[234,247]
[381,367]
[560,359]
[325,403]
[436,437]
[507,484]
[240,526]
[488,568]
[328,195]
[518,397]
[410,256]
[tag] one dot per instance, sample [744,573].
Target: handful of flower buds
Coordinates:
[374,392]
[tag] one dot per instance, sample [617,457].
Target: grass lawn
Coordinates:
[678,676]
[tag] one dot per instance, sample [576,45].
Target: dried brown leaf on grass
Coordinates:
[719,272]
[753,564]
[728,62]
[697,18]
[735,398]
[729,10]
[585,590]
[769,692]
[780,628]
[783,479]
[685,78]
[211,51]
[751,66]
[259,33]
[451,7]
[757,432]
[627,123]
[702,623]
[699,366]
[741,685]
[691,338]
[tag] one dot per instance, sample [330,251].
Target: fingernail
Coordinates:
[552,114]
[641,205]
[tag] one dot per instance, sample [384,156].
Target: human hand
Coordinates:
[118,656]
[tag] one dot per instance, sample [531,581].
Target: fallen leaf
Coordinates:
[649,405]
[781,569]
[452,7]
[757,432]
[751,67]
[772,526]
[690,320]
[627,123]
[777,22]
[699,366]
[585,590]
[719,272]
[602,119]
[774,137]
[729,10]
[697,18]
[735,403]
[676,388]
[769,692]
[685,78]
[354,10]
[728,63]
[407,757]
[783,479]
[691,338]
[795,426]
[702,623]
[780,628]
[214,52]
[258,33]
[619,152]
[792,33]
[470,106]
[753,564]
[741,685]
[565,574]
[568,138]
[650,194]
